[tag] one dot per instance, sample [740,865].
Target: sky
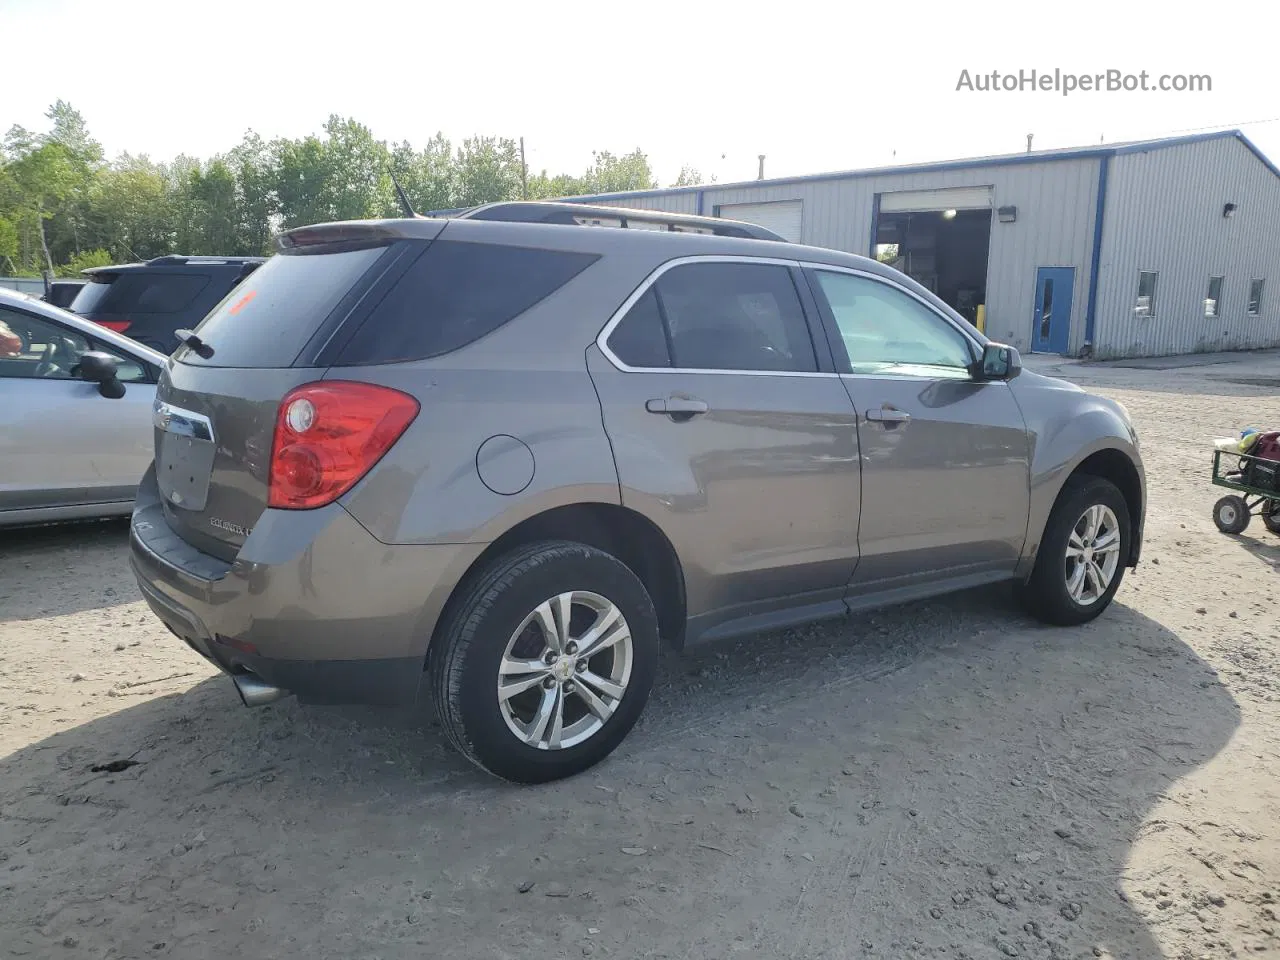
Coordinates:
[812,86]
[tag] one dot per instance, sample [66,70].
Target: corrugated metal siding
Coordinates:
[1164,213]
[667,203]
[1055,201]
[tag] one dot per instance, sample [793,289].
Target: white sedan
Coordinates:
[75,414]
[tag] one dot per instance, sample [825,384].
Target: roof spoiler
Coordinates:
[583,214]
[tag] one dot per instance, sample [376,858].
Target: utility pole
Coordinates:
[760,175]
[524,173]
[1029,136]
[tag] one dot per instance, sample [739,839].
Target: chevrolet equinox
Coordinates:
[495,458]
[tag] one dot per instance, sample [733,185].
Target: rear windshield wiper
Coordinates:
[189,338]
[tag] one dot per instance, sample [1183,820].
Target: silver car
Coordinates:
[75,414]
[495,458]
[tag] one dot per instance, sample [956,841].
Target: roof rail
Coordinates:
[582,214]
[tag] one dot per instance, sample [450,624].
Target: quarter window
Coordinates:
[718,316]
[1254,306]
[455,293]
[1213,299]
[885,330]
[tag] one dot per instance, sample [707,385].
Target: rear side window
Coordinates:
[718,316]
[141,292]
[268,318]
[454,294]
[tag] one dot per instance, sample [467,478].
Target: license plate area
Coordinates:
[184,456]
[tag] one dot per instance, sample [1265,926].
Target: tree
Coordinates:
[689,177]
[62,204]
[343,177]
[84,261]
[8,242]
[44,178]
[257,204]
[486,169]
[610,174]
[427,176]
[133,209]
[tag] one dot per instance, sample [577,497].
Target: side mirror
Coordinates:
[102,369]
[999,362]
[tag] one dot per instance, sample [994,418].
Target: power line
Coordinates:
[1221,126]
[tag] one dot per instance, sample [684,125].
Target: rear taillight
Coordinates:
[330,434]
[119,326]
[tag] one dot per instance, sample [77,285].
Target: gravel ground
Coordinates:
[944,780]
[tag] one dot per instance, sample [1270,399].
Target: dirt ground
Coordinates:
[944,780]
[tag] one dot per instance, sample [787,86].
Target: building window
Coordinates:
[1254,307]
[1146,305]
[1213,300]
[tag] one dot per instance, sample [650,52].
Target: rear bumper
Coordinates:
[313,603]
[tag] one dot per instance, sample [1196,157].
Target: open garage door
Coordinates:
[783,217]
[949,198]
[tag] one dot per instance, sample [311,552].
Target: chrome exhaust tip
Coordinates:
[254,691]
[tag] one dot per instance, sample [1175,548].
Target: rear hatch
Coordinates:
[121,299]
[216,407]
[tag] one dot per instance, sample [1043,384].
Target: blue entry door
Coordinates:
[1051,330]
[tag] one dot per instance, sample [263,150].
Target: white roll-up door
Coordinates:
[949,198]
[783,217]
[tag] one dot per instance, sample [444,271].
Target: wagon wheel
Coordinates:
[1271,516]
[1231,514]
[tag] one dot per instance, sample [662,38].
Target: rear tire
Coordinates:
[1082,555]
[517,627]
[1231,514]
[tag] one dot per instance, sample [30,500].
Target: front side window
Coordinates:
[718,316]
[887,331]
[1254,307]
[1213,299]
[32,348]
[1146,302]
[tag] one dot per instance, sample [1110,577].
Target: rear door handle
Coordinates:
[678,408]
[888,415]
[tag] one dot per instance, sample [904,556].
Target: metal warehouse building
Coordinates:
[1137,249]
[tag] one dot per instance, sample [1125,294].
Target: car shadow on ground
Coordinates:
[946,779]
[54,558]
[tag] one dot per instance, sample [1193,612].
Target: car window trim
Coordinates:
[602,338]
[836,340]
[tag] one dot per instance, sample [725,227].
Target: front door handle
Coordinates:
[888,415]
[677,408]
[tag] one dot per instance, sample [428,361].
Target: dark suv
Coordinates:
[497,457]
[149,301]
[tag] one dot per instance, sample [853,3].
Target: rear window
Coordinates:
[454,294]
[139,293]
[270,316]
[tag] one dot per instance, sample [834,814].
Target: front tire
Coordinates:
[1082,554]
[546,662]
